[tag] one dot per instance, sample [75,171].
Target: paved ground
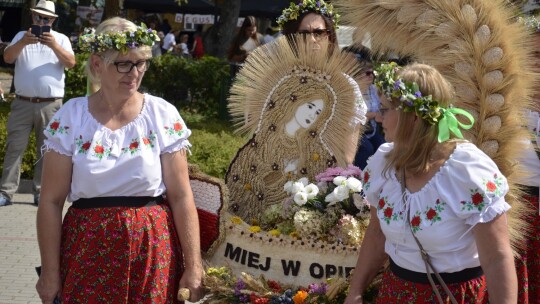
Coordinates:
[19,252]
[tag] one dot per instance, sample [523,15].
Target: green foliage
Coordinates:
[198,86]
[29,157]
[76,78]
[194,85]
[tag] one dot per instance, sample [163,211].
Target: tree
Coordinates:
[220,36]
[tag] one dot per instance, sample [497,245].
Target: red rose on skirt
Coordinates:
[86,145]
[381,203]
[99,149]
[134,145]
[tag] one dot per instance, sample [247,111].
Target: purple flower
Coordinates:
[397,84]
[318,289]
[418,94]
[318,4]
[409,103]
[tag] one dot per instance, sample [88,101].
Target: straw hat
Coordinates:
[45,8]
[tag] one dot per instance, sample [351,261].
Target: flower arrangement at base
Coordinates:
[224,287]
[332,210]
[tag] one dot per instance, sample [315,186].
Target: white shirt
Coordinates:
[169,41]
[468,189]
[125,162]
[38,71]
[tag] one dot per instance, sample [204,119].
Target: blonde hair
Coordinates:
[114,24]
[415,138]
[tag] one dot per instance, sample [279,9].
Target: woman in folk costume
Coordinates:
[529,262]
[478,48]
[294,97]
[115,154]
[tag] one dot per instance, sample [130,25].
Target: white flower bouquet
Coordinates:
[333,209]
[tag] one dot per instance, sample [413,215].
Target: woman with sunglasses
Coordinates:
[316,21]
[115,154]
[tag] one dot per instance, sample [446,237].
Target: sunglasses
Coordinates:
[318,34]
[44,20]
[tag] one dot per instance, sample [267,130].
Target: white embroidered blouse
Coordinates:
[124,162]
[468,189]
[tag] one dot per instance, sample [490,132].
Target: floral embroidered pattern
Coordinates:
[388,211]
[55,127]
[495,185]
[149,140]
[177,128]
[433,213]
[365,180]
[416,220]
[82,146]
[133,147]
[100,151]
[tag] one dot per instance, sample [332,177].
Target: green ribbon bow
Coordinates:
[449,123]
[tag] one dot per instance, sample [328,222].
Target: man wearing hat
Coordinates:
[40,60]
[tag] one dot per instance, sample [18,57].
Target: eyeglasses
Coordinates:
[317,34]
[44,20]
[384,111]
[126,66]
[369,73]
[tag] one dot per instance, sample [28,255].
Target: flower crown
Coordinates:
[319,6]
[89,42]
[530,22]
[412,100]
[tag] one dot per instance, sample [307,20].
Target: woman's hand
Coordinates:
[48,287]
[192,280]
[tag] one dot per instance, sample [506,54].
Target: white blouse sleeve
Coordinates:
[173,132]
[373,177]
[474,185]
[360,104]
[59,131]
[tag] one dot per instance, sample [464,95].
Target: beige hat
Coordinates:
[45,8]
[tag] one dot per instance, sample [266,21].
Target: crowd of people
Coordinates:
[120,157]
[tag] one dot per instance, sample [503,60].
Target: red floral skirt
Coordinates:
[395,290]
[120,255]
[528,265]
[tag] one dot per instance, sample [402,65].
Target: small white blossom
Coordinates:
[312,190]
[354,184]
[304,181]
[297,187]
[339,180]
[288,187]
[300,198]
[341,193]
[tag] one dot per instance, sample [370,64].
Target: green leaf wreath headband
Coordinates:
[304,6]
[89,42]
[412,100]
